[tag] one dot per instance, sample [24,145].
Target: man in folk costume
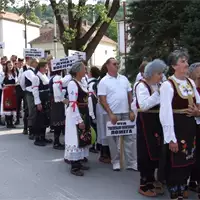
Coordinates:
[179,126]
[19,91]
[41,96]
[22,84]
[26,83]
[115,95]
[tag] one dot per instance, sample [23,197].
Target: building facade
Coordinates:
[12,33]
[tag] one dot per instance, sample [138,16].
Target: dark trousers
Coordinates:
[19,97]
[57,132]
[40,132]
[25,119]
[31,109]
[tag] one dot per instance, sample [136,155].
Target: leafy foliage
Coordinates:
[159,27]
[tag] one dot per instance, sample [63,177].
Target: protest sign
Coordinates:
[63,63]
[34,53]
[2,45]
[120,128]
[79,54]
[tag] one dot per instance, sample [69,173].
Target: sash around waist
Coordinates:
[176,111]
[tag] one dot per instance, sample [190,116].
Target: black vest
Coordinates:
[6,81]
[24,68]
[43,91]
[27,81]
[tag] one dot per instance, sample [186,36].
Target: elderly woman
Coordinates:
[194,74]
[149,130]
[77,126]
[179,127]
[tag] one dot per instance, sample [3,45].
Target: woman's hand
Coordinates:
[39,107]
[173,147]
[66,101]
[81,126]
[193,111]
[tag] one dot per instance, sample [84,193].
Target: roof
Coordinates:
[15,18]
[48,35]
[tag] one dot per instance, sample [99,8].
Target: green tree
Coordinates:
[155,30]
[112,30]
[190,36]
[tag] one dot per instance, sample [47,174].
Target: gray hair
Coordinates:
[193,67]
[156,66]
[76,67]
[175,55]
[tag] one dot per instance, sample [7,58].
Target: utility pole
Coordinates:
[55,37]
[125,36]
[25,23]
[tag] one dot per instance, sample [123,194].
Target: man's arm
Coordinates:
[130,99]
[105,105]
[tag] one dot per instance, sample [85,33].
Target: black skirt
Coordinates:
[57,114]
[149,140]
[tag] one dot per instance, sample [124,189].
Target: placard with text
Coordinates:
[120,128]
[79,54]
[63,63]
[34,53]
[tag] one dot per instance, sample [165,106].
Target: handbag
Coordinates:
[84,138]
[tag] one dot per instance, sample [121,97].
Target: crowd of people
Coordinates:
[164,102]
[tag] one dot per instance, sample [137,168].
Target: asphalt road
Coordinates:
[28,172]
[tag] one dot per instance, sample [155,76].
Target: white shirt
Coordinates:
[58,84]
[1,68]
[166,112]
[138,77]
[145,100]
[91,82]
[29,74]
[35,86]
[21,70]
[116,91]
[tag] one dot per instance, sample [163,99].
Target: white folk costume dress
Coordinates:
[77,112]
[149,130]
[175,96]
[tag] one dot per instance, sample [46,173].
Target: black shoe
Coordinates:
[83,167]
[48,141]
[25,132]
[17,122]
[77,172]
[39,143]
[174,192]
[59,146]
[93,150]
[31,137]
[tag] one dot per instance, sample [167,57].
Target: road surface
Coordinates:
[29,172]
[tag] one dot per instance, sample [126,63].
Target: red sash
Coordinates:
[9,98]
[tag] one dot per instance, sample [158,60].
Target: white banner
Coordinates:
[120,128]
[80,55]
[2,45]
[63,63]
[34,53]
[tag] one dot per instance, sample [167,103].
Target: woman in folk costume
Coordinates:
[149,130]
[105,156]
[9,101]
[177,95]
[134,109]
[77,127]
[194,74]
[42,102]
[58,101]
